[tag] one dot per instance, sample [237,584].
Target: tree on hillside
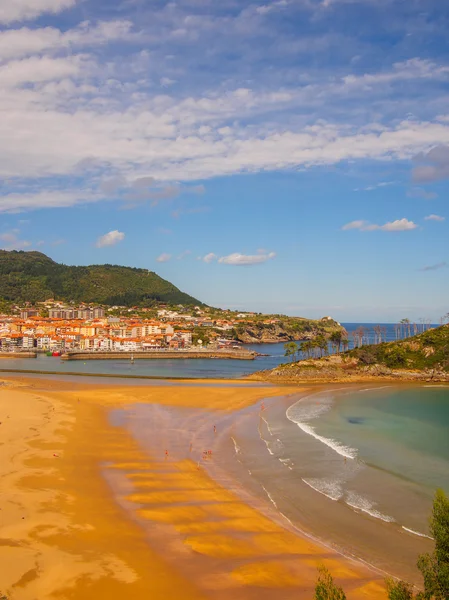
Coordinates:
[291,348]
[336,339]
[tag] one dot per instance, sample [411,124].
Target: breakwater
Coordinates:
[161,355]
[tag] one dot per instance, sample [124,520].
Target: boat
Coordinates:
[132,358]
[56,353]
[49,353]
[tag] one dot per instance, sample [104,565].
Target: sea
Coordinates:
[358,467]
[272,356]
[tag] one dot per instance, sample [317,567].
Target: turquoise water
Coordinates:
[384,451]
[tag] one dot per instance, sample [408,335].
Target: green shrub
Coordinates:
[399,590]
[325,588]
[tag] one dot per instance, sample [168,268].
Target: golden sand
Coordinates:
[64,535]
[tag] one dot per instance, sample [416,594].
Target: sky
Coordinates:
[287,156]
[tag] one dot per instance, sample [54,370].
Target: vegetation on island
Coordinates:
[281,328]
[34,277]
[434,567]
[423,356]
[428,350]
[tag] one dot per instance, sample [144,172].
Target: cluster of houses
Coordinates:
[87,328]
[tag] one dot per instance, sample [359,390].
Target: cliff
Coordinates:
[285,330]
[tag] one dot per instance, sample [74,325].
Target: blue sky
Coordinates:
[283,156]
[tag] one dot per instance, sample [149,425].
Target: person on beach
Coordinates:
[166,454]
[262,406]
[215,429]
[191,446]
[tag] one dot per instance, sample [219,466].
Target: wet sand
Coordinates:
[88,511]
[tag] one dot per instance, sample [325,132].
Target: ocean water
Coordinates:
[384,451]
[202,368]
[274,355]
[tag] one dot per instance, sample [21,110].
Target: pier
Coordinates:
[161,355]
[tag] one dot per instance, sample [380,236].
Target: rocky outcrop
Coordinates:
[284,332]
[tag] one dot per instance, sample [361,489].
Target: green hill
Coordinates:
[422,357]
[34,277]
[429,350]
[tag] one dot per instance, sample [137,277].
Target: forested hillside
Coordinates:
[34,277]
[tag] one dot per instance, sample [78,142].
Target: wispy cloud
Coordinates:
[184,254]
[164,257]
[23,10]
[10,240]
[209,257]
[398,225]
[435,267]
[375,186]
[421,193]
[436,167]
[110,239]
[434,218]
[238,259]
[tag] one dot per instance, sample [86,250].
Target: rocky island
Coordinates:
[424,357]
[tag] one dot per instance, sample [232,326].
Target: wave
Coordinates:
[363,504]
[302,414]
[268,426]
[268,447]
[236,446]
[270,496]
[417,533]
[330,488]
[338,447]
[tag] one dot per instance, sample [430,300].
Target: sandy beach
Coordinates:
[86,511]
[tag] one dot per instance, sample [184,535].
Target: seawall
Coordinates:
[237,355]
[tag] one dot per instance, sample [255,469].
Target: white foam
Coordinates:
[331,488]
[268,426]
[338,447]
[270,496]
[302,414]
[417,533]
[363,504]
[236,446]
[267,444]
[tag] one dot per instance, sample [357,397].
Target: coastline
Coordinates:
[62,530]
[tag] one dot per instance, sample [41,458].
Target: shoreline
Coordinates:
[186,520]
[346,528]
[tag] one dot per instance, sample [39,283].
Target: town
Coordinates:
[56,328]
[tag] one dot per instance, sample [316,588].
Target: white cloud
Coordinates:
[434,218]
[355,225]
[163,258]
[16,203]
[18,43]
[110,239]
[398,225]
[184,254]
[244,259]
[24,10]
[10,241]
[210,257]
[38,70]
